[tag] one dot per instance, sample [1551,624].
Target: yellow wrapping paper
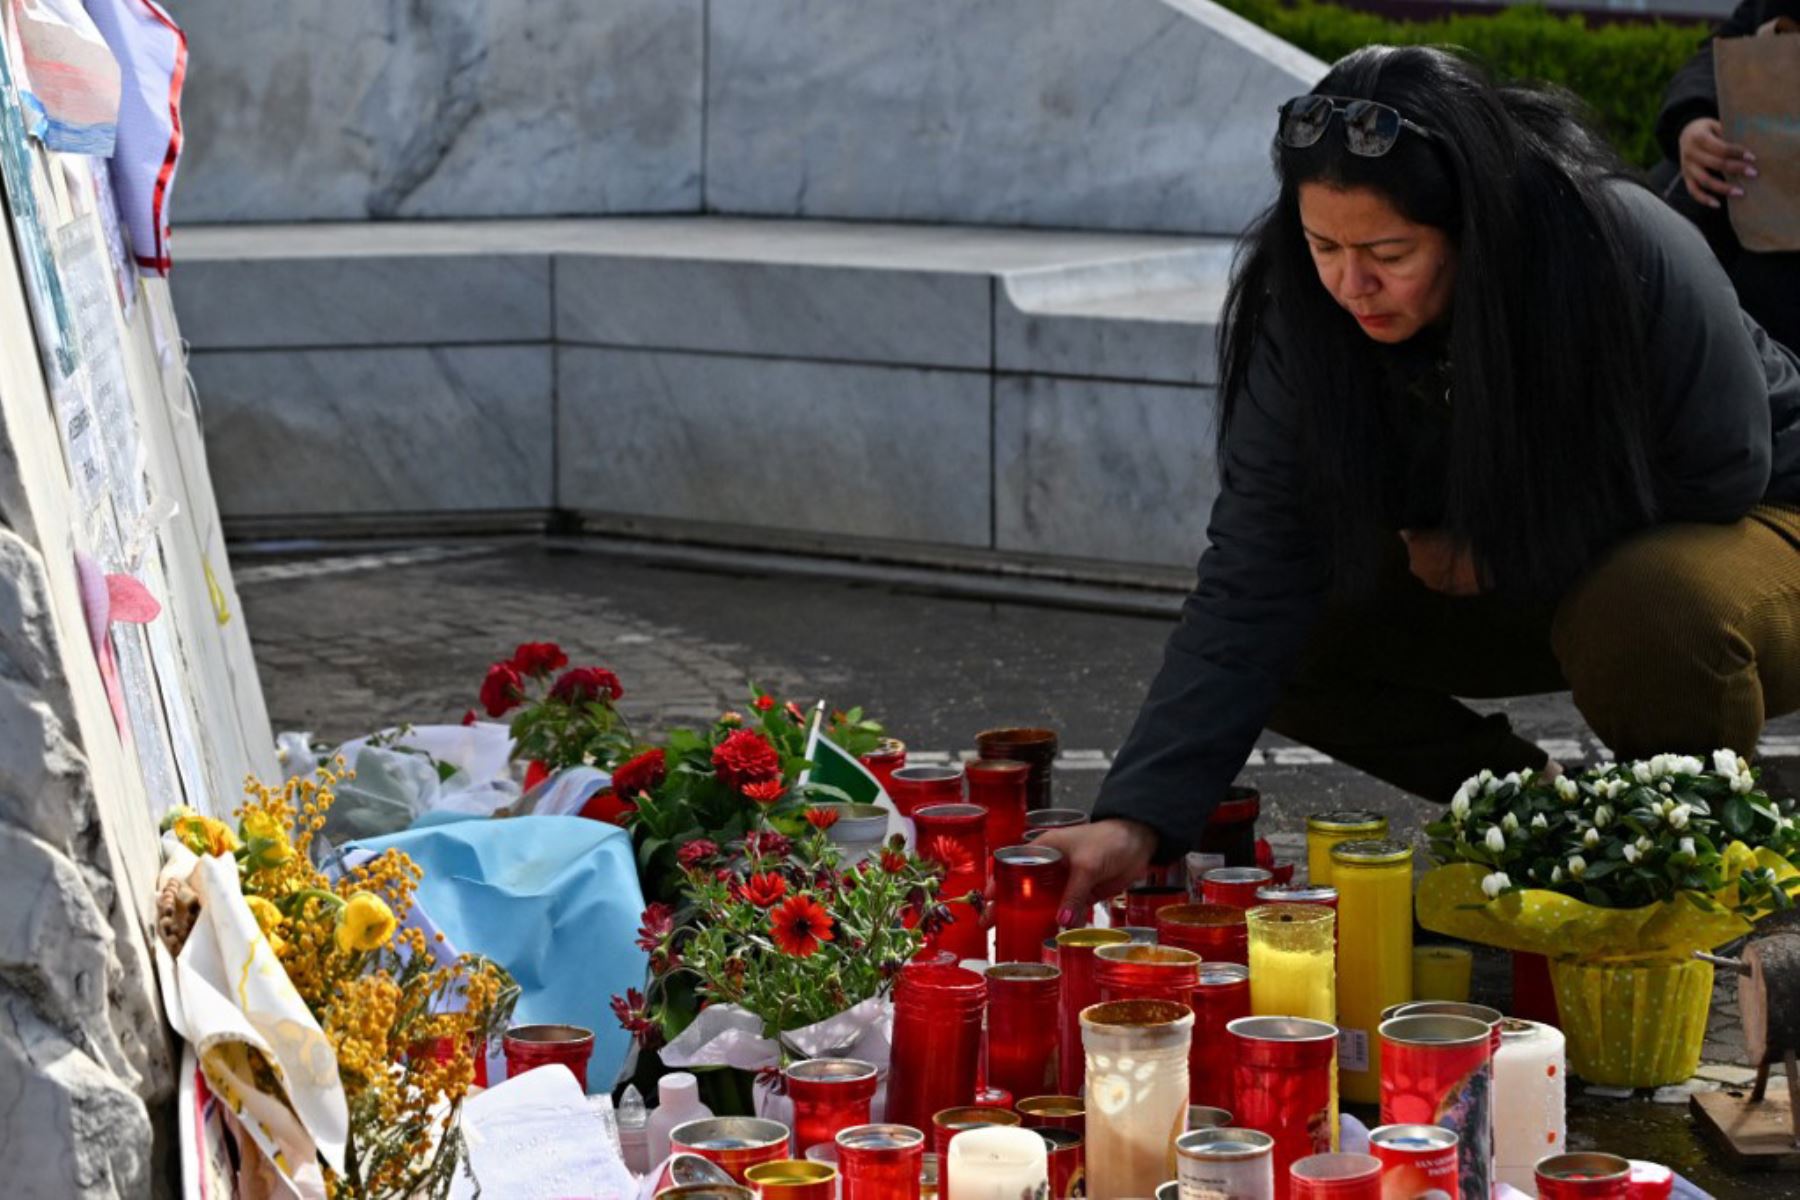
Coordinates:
[1450,901]
[1640,1025]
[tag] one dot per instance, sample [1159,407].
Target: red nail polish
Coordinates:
[1066,917]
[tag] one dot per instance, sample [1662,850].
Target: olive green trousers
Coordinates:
[1683,639]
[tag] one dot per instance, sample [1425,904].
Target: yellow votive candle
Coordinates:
[1293,970]
[1375,912]
[1442,973]
[1327,830]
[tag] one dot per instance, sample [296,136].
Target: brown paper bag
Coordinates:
[1759,105]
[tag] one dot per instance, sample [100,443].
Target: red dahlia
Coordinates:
[822,818]
[635,776]
[746,757]
[502,690]
[764,889]
[800,926]
[538,658]
[586,684]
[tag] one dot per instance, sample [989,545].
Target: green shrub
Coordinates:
[1619,70]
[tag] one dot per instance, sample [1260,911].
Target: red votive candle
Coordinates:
[912,788]
[829,1094]
[1221,997]
[1028,887]
[734,1143]
[1230,832]
[1584,1177]
[1035,747]
[998,786]
[955,837]
[1145,972]
[1335,1177]
[1053,1112]
[530,1046]
[1438,1069]
[1235,886]
[952,1121]
[1651,1181]
[1284,1084]
[1143,902]
[1216,932]
[937,1042]
[880,1162]
[883,761]
[1024,1001]
[1080,989]
[1062,1155]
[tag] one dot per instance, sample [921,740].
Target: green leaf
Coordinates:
[1738,816]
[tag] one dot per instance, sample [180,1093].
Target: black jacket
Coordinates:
[1694,92]
[1727,412]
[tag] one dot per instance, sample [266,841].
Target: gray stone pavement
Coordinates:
[348,643]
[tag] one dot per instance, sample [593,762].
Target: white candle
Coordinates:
[1530,1116]
[997,1162]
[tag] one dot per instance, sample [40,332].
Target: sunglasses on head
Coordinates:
[1370,128]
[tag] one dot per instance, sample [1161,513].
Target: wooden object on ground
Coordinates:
[1753,1135]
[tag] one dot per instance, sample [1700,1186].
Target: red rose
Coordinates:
[767,792]
[645,773]
[538,658]
[502,690]
[764,703]
[746,757]
[585,684]
[764,890]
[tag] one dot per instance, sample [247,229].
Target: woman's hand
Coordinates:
[1441,563]
[1709,162]
[1105,858]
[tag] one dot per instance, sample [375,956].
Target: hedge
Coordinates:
[1619,70]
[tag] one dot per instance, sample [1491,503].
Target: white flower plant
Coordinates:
[1622,835]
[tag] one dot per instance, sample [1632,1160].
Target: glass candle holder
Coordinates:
[1143,902]
[936,1044]
[947,1124]
[880,1162]
[997,785]
[1137,1093]
[1375,927]
[1293,966]
[1052,818]
[913,788]
[1023,1031]
[1221,996]
[529,1046]
[1439,1070]
[790,1179]
[1324,831]
[1235,886]
[1035,747]
[1236,1163]
[1216,932]
[1028,887]
[996,1164]
[1442,973]
[1584,1177]
[1136,971]
[829,1094]
[1335,1177]
[734,1143]
[883,761]
[1075,956]
[1052,1112]
[1285,1079]
[1530,1099]
[1297,893]
[1064,1150]
[955,837]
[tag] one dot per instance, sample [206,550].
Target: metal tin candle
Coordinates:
[1293,966]
[997,785]
[1169,1191]
[705,1191]
[1285,1080]
[1650,1181]
[1143,902]
[1216,932]
[1235,886]
[1203,1116]
[1023,1027]
[529,1046]
[1036,747]
[790,1179]
[1584,1177]
[1075,956]
[1335,1177]
[1221,997]
[1238,1164]
[1052,818]
[1375,925]
[1439,1070]
[996,1164]
[689,1170]
[884,760]
[952,1121]
[1326,830]
[1297,893]
[829,1094]
[1137,1093]
[1028,887]
[1417,1161]
[880,1162]
[937,1042]
[1068,1179]
[913,788]
[1530,1100]
[955,837]
[1493,1018]
[734,1143]
[1136,971]
[1052,1112]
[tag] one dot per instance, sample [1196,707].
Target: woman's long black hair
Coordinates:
[1547,459]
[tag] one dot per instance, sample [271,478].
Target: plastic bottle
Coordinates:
[634,1133]
[680,1094]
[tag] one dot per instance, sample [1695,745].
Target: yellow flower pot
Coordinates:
[1633,1024]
